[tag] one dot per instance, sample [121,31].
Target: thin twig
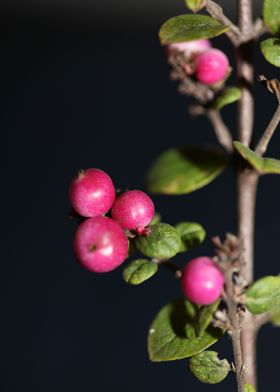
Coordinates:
[221,130]
[262,319]
[217,12]
[259,28]
[268,133]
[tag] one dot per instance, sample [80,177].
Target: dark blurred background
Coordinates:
[85,84]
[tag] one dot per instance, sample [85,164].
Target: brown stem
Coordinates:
[217,12]
[222,132]
[247,179]
[268,133]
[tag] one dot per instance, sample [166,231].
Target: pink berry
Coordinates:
[190,48]
[133,210]
[92,192]
[212,66]
[100,244]
[202,281]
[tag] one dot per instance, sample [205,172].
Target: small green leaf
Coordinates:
[156,219]
[190,27]
[263,295]
[226,97]
[249,388]
[208,368]
[192,234]
[271,14]
[164,242]
[172,333]
[195,5]
[262,165]
[270,48]
[205,316]
[138,271]
[182,171]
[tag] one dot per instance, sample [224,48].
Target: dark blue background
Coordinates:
[77,94]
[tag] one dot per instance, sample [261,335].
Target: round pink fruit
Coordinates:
[100,244]
[92,192]
[133,210]
[202,281]
[190,48]
[212,66]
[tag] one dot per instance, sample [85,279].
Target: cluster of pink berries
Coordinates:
[101,244]
[209,66]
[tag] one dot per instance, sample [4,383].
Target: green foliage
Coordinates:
[172,334]
[205,316]
[262,165]
[226,97]
[208,368]
[138,271]
[275,317]
[181,171]
[249,388]
[195,5]
[263,295]
[271,15]
[191,233]
[190,27]
[270,48]
[156,219]
[163,243]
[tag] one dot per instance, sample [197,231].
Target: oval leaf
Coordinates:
[270,48]
[138,271]
[262,165]
[263,295]
[275,317]
[191,233]
[181,171]
[162,243]
[249,388]
[190,27]
[208,368]
[195,5]
[172,333]
[271,15]
[206,316]
[226,97]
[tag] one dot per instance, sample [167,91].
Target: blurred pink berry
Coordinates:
[92,192]
[100,244]
[133,210]
[202,281]
[212,66]
[190,48]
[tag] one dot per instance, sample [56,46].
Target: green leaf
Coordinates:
[271,15]
[270,48]
[181,171]
[262,165]
[275,317]
[205,316]
[156,219]
[195,5]
[263,295]
[249,388]
[172,333]
[208,368]
[191,233]
[226,97]
[164,242]
[190,27]
[138,271]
